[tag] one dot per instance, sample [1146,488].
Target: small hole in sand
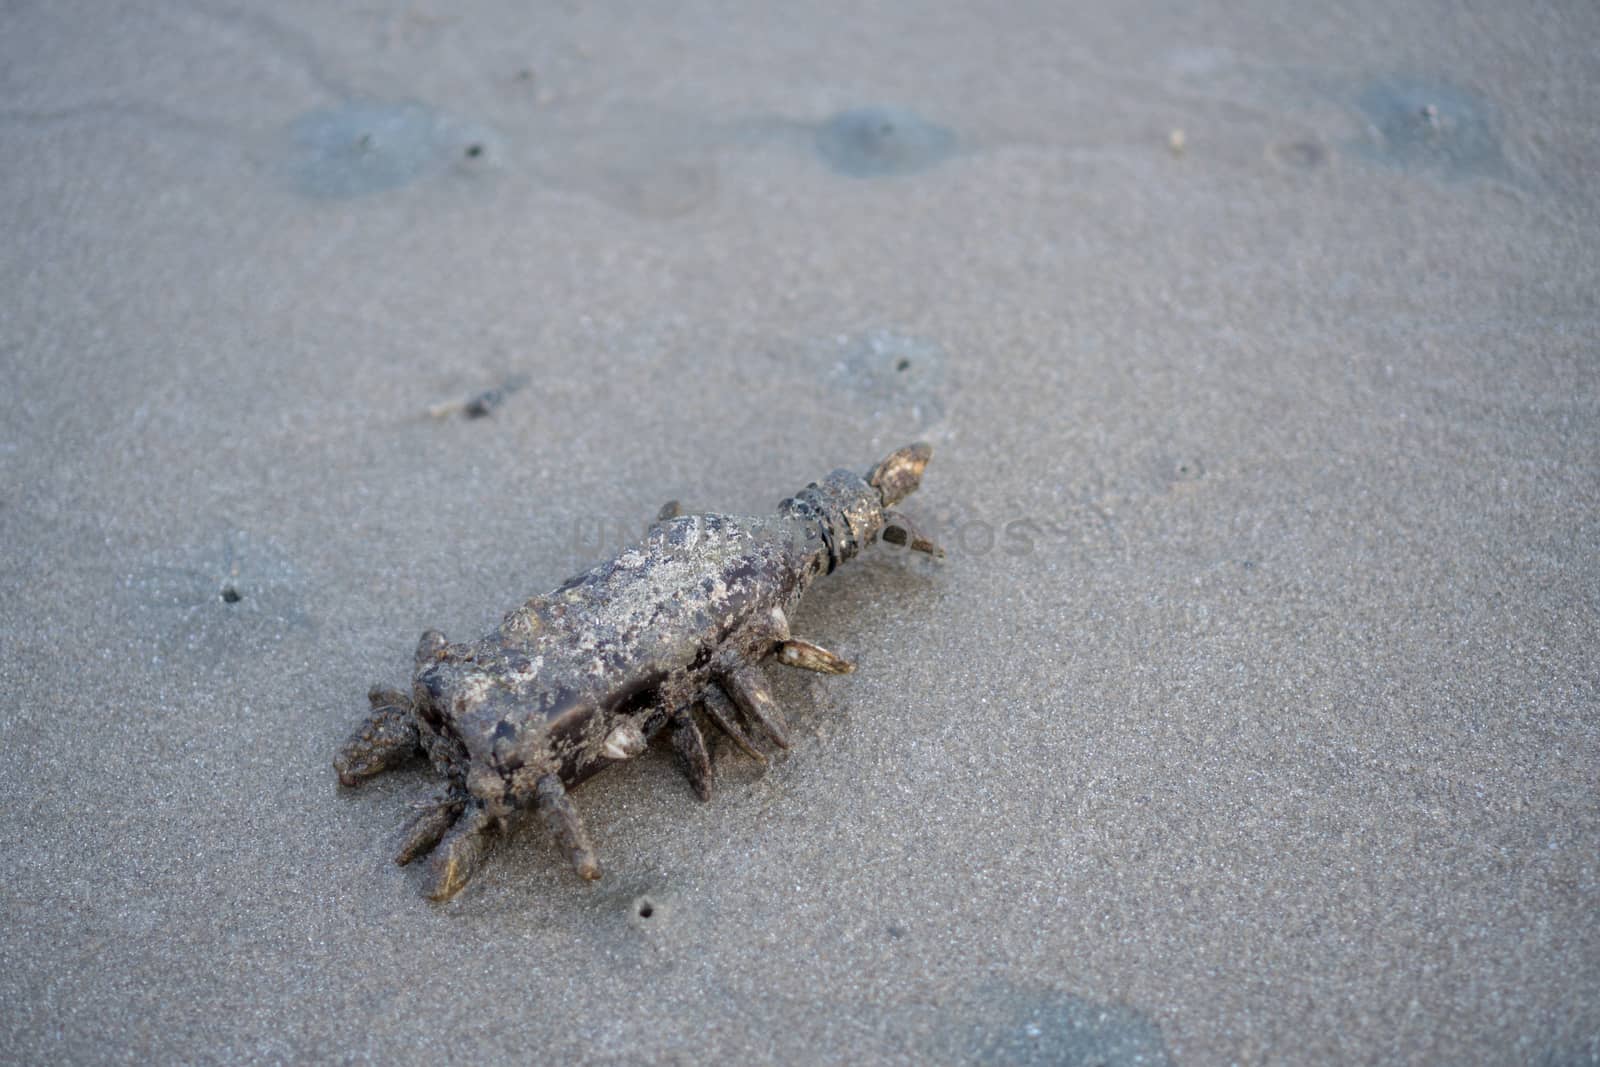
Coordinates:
[903,365]
[646,909]
[230,595]
[474,151]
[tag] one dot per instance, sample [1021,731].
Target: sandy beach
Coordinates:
[1252,717]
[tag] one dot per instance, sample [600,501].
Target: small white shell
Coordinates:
[625,742]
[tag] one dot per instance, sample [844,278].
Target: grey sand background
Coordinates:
[1254,716]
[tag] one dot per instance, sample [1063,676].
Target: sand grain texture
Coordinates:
[1253,717]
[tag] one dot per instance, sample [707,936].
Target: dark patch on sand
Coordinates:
[1169,470]
[358,147]
[1430,127]
[894,378]
[879,142]
[1017,1025]
[228,595]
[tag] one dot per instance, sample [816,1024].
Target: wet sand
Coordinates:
[1252,717]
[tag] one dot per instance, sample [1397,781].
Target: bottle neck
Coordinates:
[845,510]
